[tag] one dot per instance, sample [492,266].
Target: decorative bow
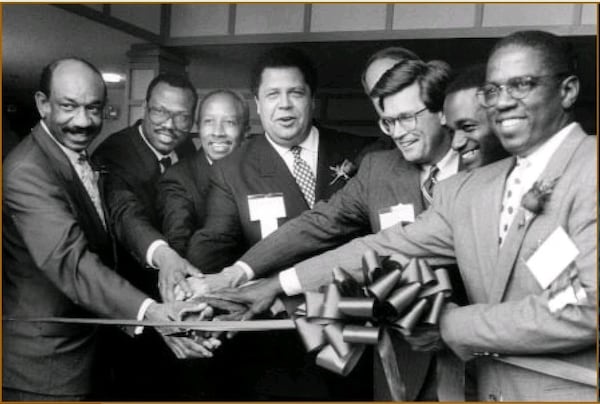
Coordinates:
[397,294]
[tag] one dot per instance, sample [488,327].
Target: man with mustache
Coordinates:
[472,135]
[510,225]
[181,192]
[58,256]
[267,181]
[134,159]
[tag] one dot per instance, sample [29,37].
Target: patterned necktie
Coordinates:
[427,187]
[165,163]
[304,176]
[89,178]
[513,192]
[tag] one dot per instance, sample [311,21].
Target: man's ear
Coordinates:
[42,102]
[569,90]
[257,105]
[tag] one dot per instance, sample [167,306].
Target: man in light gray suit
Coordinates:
[509,225]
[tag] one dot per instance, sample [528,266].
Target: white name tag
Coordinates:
[396,214]
[266,208]
[552,257]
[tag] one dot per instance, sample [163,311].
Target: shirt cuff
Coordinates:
[247,270]
[289,282]
[150,253]
[141,314]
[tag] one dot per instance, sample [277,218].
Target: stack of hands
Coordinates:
[224,296]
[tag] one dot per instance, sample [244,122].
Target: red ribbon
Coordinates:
[344,317]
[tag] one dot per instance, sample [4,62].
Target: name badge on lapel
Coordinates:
[554,255]
[266,208]
[551,266]
[396,214]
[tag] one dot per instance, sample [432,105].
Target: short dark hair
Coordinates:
[242,105]
[558,52]
[285,57]
[472,76]
[432,77]
[397,53]
[174,80]
[45,85]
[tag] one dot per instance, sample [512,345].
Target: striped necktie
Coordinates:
[89,179]
[427,187]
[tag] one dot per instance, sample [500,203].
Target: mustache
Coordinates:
[74,130]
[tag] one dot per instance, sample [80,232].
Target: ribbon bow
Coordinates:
[397,294]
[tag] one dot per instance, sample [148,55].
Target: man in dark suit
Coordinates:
[135,158]
[270,179]
[57,252]
[523,232]
[181,192]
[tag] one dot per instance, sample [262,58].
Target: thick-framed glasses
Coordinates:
[517,87]
[181,120]
[408,122]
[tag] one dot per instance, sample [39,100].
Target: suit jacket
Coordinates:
[509,313]
[56,262]
[130,192]
[256,168]
[181,200]
[384,179]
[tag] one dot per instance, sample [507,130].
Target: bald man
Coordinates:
[57,252]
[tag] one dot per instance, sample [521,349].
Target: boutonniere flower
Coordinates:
[345,170]
[534,200]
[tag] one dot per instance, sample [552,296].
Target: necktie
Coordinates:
[90,182]
[165,163]
[513,192]
[304,176]
[427,187]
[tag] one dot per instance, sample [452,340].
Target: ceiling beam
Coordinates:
[104,18]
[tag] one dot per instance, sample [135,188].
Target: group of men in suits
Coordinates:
[240,210]
[530,336]
[58,252]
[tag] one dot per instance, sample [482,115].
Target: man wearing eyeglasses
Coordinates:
[388,188]
[523,232]
[134,159]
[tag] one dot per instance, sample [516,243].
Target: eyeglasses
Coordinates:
[181,120]
[517,87]
[408,122]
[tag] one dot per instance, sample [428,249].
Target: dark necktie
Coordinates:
[427,187]
[304,176]
[165,163]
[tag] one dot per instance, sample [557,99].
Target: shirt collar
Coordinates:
[311,143]
[448,165]
[541,156]
[159,155]
[73,156]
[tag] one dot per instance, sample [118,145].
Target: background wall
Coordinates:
[222,41]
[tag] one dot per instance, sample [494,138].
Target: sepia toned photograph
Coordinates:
[299,202]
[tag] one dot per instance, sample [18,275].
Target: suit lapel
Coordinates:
[411,176]
[272,166]
[71,182]
[514,239]
[326,155]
